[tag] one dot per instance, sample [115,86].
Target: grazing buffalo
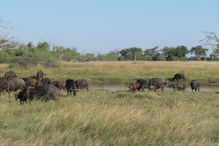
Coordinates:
[59,84]
[52,93]
[10,75]
[143,83]
[132,86]
[39,75]
[46,81]
[29,81]
[70,86]
[195,85]
[156,83]
[27,93]
[46,92]
[178,77]
[15,84]
[81,84]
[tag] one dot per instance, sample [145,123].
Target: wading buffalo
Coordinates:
[10,75]
[70,86]
[178,77]
[143,83]
[195,85]
[156,83]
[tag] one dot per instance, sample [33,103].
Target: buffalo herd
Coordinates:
[156,83]
[43,89]
[38,88]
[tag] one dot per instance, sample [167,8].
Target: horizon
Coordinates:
[99,27]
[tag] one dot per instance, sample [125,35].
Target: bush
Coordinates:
[31,59]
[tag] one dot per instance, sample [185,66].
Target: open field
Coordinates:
[124,71]
[118,118]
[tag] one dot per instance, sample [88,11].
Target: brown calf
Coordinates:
[132,86]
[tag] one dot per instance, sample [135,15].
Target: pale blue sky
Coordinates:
[100,26]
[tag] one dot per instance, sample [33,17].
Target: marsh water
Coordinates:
[120,87]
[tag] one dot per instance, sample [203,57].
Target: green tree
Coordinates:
[169,53]
[199,52]
[133,53]
[30,47]
[181,51]
[43,46]
[151,53]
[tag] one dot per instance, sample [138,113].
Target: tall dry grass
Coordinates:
[122,118]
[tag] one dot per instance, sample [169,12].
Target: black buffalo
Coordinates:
[195,85]
[27,93]
[70,86]
[143,83]
[178,77]
[82,84]
[156,83]
[10,75]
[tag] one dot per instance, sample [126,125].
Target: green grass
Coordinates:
[118,118]
[124,71]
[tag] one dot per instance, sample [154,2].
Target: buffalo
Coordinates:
[59,84]
[156,83]
[27,93]
[10,75]
[178,77]
[81,84]
[46,92]
[70,86]
[15,84]
[143,83]
[195,85]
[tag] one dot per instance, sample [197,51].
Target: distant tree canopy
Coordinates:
[42,53]
[133,53]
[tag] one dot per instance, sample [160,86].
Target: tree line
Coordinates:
[43,53]
[21,54]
